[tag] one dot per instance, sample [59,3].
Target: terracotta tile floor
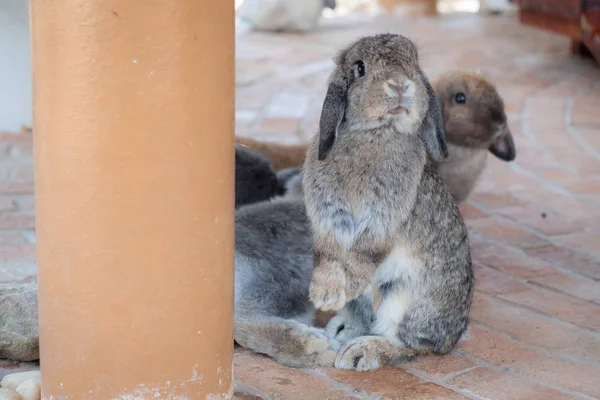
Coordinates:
[535,223]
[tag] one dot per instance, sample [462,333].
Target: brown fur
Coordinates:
[388,236]
[481,120]
[282,156]
[472,128]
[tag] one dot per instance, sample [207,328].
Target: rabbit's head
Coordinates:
[474,114]
[377,81]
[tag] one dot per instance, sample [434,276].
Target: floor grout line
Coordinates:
[357,394]
[507,370]
[541,350]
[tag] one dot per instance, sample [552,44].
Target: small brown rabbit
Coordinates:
[386,230]
[474,123]
[281,156]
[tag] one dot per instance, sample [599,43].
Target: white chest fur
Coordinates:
[401,269]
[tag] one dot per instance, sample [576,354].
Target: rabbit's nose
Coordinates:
[395,87]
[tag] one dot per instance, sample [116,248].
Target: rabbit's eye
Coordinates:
[460,98]
[359,69]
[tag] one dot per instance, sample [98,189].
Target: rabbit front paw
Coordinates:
[360,354]
[356,283]
[306,346]
[327,289]
[319,347]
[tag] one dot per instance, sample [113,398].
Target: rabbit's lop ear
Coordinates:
[432,130]
[504,146]
[332,114]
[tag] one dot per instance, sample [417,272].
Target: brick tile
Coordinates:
[558,176]
[23,173]
[589,135]
[11,238]
[530,327]
[25,203]
[585,109]
[493,282]
[569,86]
[573,260]
[11,138]
[580,378]
[492,348]
[284,383]
[10,221]
[506,232]
[440,368]
[572,284]
[546,114]
[393,383]
[489,384]
[16,187]
[578,312]
[507,179]
[279,125]
[570,206]
[16,253]
[590,221]
[534,270]
[586,241]
[495,200]
[587,187]
[541,220]
[288,105]
[6,204]
[510,262]
[21,150]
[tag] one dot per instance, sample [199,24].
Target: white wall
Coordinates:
[15,66]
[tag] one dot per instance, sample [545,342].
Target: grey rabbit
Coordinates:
[272,313]
[255,178]
[390,246]
[273,268]
[475,125]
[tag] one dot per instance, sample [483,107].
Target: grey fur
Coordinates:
[255,179]
[385,227]
[288,178]
[273,266]
[291,179]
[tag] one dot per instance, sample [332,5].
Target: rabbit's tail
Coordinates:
[288,341]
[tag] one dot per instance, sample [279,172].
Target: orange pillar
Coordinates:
[133,122]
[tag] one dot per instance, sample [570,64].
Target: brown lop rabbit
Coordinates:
[390,246]
[474,124]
